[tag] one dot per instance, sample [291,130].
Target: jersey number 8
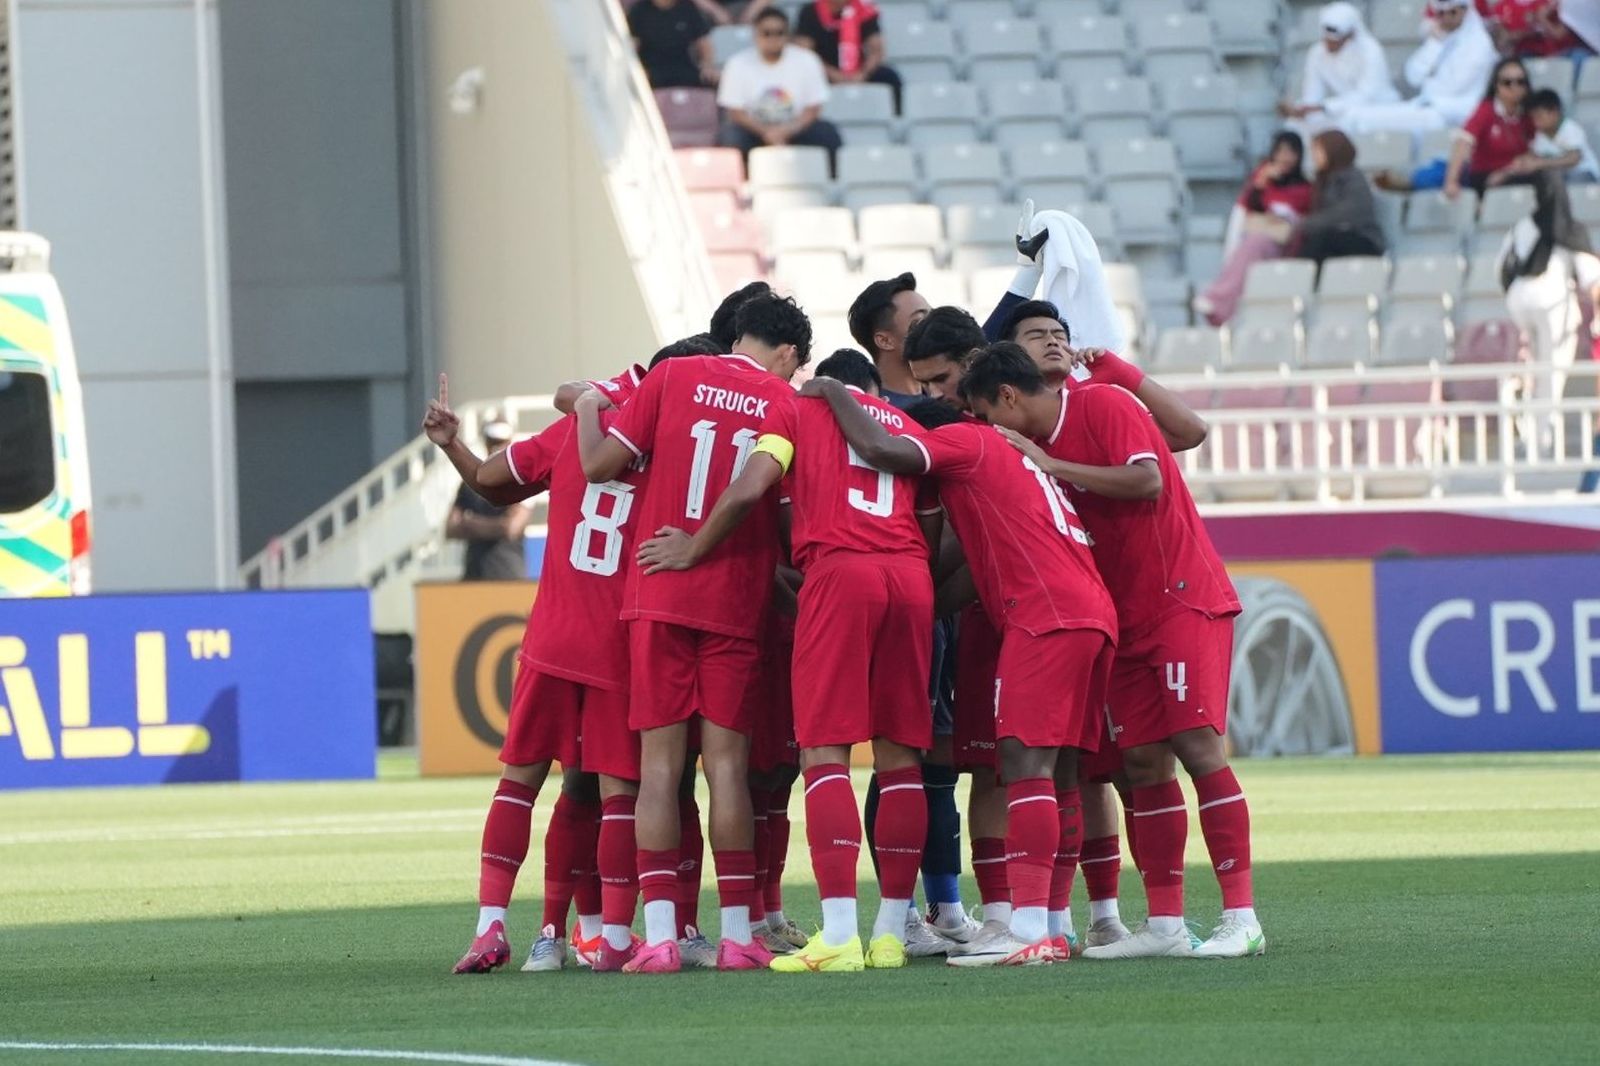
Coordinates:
[606,525]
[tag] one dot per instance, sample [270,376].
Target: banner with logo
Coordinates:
[154,689]
[468,636]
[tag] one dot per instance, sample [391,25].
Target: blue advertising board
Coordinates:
[152,689]
[1498,654]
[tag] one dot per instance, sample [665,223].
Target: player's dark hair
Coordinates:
[1000,364]
[930,413]
[1031,309]
[852,368]
[947,331]
[722,319]
[699,344]
[874,308]
[1544,100]
[774,319]
[771,13]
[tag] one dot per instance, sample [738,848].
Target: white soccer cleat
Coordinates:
[921,940]
[1105,931]
[548,953]
[963,933]
[1233,938]
[1146,944]
[997,946]
[790,933]
[696,951]
[987,931]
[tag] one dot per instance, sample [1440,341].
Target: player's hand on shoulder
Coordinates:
[821,388]
[670,549]
[1022,444]
[593,398]
[439,423]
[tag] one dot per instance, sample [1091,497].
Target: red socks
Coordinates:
[1033,832]
[762,839]
[619,863]
[1225,823]
[1130,829]
[989,869]
[901,830]
[1102,866]
[777,847]
[691,851]
[569,854]
[506,829]
[736,877]
[1163,821]
[658,879]
[1069,846]
[833,829]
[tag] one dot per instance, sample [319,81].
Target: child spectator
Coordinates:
[1560,143]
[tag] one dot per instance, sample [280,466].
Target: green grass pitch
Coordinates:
[1418,910]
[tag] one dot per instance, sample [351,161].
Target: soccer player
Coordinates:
[566,687]
[937,349]
[863,641]
[695,421]
[879,320]
[1169,688]
[1030,561]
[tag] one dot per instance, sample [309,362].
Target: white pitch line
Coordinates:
[461,1058]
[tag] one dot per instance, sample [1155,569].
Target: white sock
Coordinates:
[1102,909]
[997,912]
[1060,923]
[660,921]
[736,924]
[1247,915]
[617,936]
[839,920]
[1030,924]
[776,920]
[949,915]
[891,917]
[1166,925]
[588,926]
[487,916]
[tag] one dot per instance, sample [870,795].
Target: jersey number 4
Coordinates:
[1178,680]
[605,511]
[704,433]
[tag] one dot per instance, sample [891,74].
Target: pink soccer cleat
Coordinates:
[585,952]
[613,960]
[1060,948]
[490,951]
[655,958]
[735,956]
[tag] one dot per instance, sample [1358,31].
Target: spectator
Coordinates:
[773,93]
[846,37]
[1273,202]
[493,534]
[1545,260]
[1488,148]
[1448,72]
[1344,218]
[673,40]
[1346,69]
[1529,28]
[1559,143]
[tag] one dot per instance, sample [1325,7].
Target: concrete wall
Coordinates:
[531,282]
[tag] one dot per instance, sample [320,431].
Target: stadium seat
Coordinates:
[943,288]
[1101,222]
[710,168]
[940,113]
[1503,208]
[894,17]
[1585,202]
[1492,341]
[814,228]
[690,116]
[797,267]
[1203,123]
[1005,49]
[1188,349]
[767,203]
[875,174]
[1383,150]
[1176,44]
[1202,247]
[828,293]
[1275,279]
[734,269]
[1341,342]
[1552,72]
[727,41]
[1358,279]
[980,235]
[1423,275]
[1434,223]
[1435,144]
[1051,173]
[788,167]
[731,231]
[887,262]
[923,52]
[1304,31]
[1264,346]
[1049,10]
[1246,27]
[984,287]
[864,113]
[1142,186]
[1137,9]
[1588,86]
[1023,113]
[708,203]
[1089,48]
[901,226]
[972,15]
[1397,22]
[1114,109]
[964,174]
[1415,341]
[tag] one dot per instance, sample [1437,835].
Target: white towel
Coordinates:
[1075,281]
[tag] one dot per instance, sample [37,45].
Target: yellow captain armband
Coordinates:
[777,447]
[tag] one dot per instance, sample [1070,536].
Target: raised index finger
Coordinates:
[444,390]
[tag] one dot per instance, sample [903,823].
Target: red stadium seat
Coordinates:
[1496,341]
[732,231]
[711,202]
[690,116]
[710,168]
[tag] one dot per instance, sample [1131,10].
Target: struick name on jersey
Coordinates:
[729,400]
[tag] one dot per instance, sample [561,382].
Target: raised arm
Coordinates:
[673,549]
[1136,481]
[1182,428]
[603,457]
[878,447]
[489,478]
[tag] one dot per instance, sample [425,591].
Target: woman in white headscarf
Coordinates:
[1449,71]
[1346,69]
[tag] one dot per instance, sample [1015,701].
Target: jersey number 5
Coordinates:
[606,525]
[704,433]
[882,503]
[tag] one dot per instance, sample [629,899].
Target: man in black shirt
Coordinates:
[673,39]
[847,38]
[493,534]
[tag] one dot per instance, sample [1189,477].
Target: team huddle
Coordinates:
[974,551]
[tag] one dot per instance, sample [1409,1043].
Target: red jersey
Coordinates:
[697,419]
[1155,555]
[840,503]
[573,631]
[1028,553]
[620,389]
[1497,139]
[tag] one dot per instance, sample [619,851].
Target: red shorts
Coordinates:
[1173,678]
[679,672]
[1104,764]
[1049,689]
[977,658]
[772,741]
[862,647]
[571,723]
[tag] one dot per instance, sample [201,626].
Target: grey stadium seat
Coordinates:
[923,52]
[1142,184]
[1026,112]
[964,174]
[1203,122]
[1264,346]
[1423,275]
[901,226]
[1279,278]
[1051,173]
[1383,150]
[1397,22]
[1089,48]
[813,228]
[1504,207]
[968,14]
[788,167]
[1342,342]
[1585,202]
[1175,32]
[727,41]
[944,113]
[1114,109]
[980,235]
[798,268]
[864,113]
[1417,341]
[1246,27]
[1552,72]
[1359,279]
[1101,221]
[876,174]
[1434,224]
[1003,49]
[1047,10]
[768,203]
[1189,349]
